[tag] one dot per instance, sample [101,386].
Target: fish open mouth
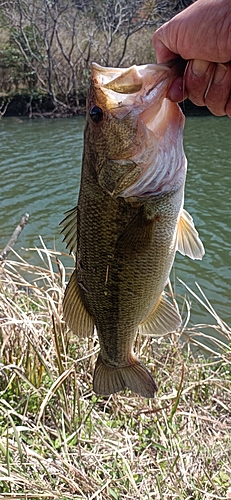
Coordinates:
[138,90]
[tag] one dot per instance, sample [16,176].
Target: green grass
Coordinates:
[59,440]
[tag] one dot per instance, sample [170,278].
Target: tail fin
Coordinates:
[108,379]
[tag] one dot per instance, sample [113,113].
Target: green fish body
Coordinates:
[129,221]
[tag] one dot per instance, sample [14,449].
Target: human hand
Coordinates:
[200,34]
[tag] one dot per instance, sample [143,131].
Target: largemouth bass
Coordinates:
[129,220]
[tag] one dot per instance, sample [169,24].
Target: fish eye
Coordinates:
[96,114]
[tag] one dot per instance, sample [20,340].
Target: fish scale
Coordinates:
[130,221]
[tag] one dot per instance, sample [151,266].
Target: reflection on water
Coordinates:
[40,174]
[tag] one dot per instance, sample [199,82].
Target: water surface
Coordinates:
[40,174]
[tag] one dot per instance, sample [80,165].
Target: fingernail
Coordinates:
[199,67]
[220,72]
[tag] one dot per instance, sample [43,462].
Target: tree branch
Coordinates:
[14,237]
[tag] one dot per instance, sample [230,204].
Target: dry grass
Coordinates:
[58,440]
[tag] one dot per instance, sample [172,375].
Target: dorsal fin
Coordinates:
[188,241]
[74,311]
[69,230]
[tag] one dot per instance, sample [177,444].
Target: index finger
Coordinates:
[163,54]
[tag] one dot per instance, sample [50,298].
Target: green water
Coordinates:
[40,174]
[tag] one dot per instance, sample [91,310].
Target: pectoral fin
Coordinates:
[70,229]
[188,241]
[138,234]
[164,318]
[74,311]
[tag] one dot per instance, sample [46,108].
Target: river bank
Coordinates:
[58,440]
[39,105]
[34,106]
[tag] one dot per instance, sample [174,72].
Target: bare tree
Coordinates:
[45,34]
[52,42]
[166,9]
[115,21]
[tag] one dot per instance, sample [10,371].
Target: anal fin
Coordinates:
[108,379]
[188,241]
[74,311]
[164,318]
